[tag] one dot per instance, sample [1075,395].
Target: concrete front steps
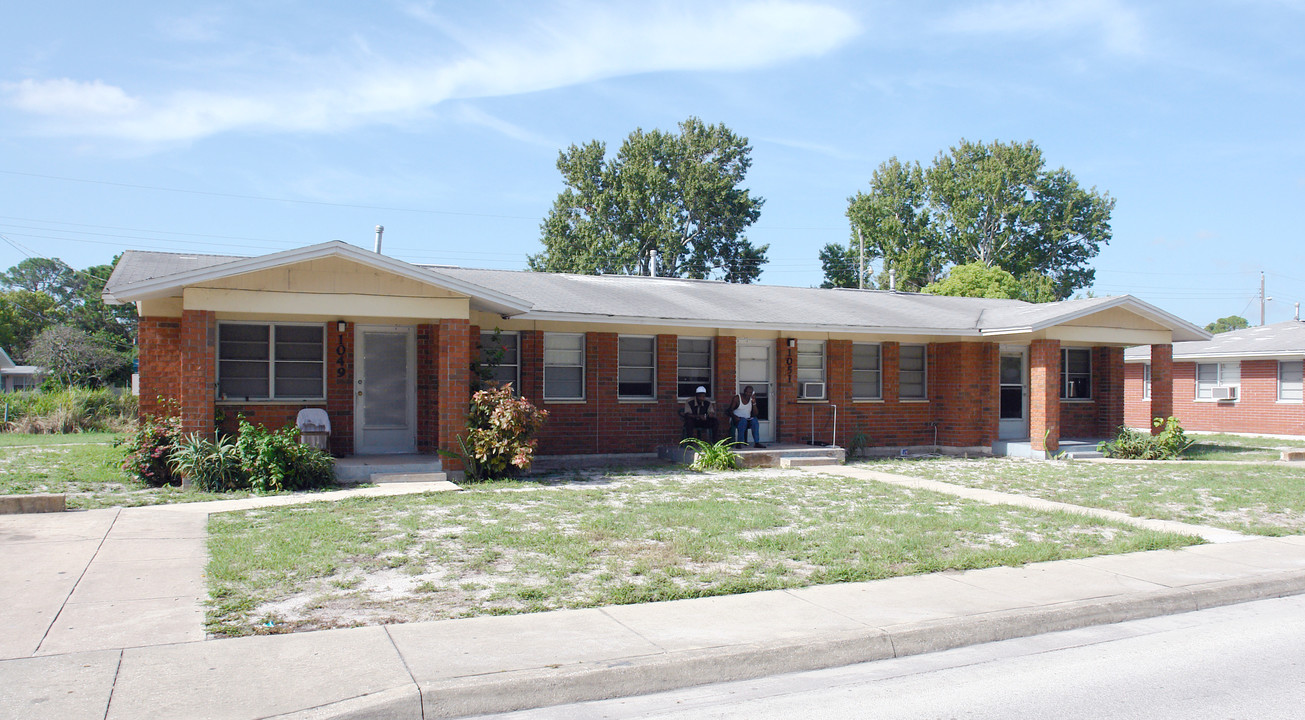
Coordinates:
[774,455]
[1072,449]
[389,469]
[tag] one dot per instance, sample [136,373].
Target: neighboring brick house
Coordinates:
[386,347]
[1244,381]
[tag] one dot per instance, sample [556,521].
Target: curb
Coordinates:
[40,503]
[542,687]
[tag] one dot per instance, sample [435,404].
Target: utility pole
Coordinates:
[860,262]
[1263,299]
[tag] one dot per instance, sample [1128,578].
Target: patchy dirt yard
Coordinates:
[599,538]
[1261,499]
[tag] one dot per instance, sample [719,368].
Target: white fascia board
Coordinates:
[1173,322]
[737,325]
[169,284]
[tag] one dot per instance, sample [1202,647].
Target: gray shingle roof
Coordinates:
[728,304]
[1276,340]
[703,303]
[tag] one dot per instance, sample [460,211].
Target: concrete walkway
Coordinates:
[492,664]
[121,577]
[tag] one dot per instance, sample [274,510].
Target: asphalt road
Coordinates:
[1241,661]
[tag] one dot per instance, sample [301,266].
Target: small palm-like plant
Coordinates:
[211,466]
[713,456]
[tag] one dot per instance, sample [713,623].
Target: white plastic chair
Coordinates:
[314,428]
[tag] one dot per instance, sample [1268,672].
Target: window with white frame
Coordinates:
[1212,375]
[265,361]
[912,371]
[636,367]
[694,369]
[564,366]
[1076,374]
[1289,380]
[867,374]
[1146,381]
[500,358]
[811,369]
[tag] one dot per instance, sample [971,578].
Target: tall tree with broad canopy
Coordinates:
[678,194]
[985,281]
[894,223]
[992,203]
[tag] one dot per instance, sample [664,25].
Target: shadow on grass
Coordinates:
[1220,451]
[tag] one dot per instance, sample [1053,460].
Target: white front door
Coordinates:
[385,400]
[755,366]
[1013,393]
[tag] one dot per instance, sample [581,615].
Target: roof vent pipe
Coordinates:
[652,263]
[892,279]
[380,230]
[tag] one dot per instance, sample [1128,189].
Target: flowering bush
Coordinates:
[500,433]
[149,447]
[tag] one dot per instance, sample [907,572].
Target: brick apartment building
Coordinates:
[1245,381]
[386,348]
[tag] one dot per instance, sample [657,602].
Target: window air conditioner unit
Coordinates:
[813,390]
[1224,392]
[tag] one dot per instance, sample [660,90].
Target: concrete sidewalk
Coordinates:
[103,619]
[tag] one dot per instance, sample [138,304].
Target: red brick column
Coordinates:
[726,371]
[532,365]
[428,384]
[1044,392]
[198,370]
[890,363]
[159,346]
[339,387]
[601,391]
[453,339]
[783,407]
[1162,383]
[838,385]
[1108,367]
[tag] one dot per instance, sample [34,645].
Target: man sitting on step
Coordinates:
[699,414]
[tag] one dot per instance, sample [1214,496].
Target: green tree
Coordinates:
[840,266]
[41,275]
[72,357]
[992,203]
[1228,324]
[983,281]
[894,222]
[678,194]
[997,204]
[23,315]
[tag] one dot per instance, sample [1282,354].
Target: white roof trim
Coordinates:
[168,284]
[1145,309]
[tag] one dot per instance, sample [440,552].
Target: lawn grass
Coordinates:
[1255,499]
[1221,446]
[642,536]
[89,474]
[12,439]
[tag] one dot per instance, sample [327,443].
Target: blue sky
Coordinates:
[245,128]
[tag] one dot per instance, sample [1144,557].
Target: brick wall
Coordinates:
[159,346]
[1045,413]
[1101,416]
[1256,410]
[453,380]
[428,382]
[198,374]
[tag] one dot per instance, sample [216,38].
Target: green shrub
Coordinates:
[210,466]
[274,460]
[149,448]
[500,434]
[1131,444]
[717,456]
[69,410]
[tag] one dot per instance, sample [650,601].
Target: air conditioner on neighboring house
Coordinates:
[1224,392]
[813,390]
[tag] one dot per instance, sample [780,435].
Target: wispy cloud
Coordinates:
[576,45]
[1117,27]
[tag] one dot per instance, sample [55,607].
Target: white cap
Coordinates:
[700,389]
